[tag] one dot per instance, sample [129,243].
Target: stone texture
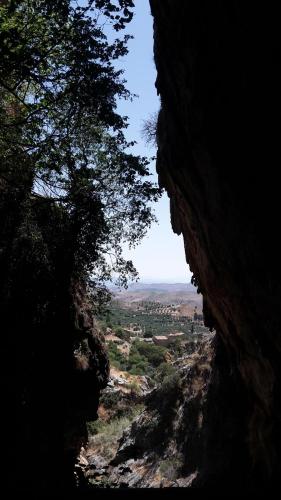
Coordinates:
[218,158]
[162,446]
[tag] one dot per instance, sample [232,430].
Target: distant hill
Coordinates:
[163,287]
[164,293]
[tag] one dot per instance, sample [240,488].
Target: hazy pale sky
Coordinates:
[160,256]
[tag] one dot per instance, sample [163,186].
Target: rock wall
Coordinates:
[53,363]
[218,158]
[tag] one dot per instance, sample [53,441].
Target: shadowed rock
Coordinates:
[218,76]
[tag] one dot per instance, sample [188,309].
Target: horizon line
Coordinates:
[158,282]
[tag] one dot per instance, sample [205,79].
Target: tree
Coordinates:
[119,332]
[149,129]
[164,370]
[61,137]
[154,354]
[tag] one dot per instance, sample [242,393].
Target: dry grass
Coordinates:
[107,434]
[81,362]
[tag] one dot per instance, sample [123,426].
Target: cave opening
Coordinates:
[217,130]
[153,331]
[160,355]
[182,406]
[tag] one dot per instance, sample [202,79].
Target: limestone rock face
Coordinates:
[218,135]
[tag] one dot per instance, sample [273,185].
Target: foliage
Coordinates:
[109,399]
[116,358]
[104,436]
[129,410]
[166,397]
[154,354]
[142,360]
[149,129]
[137,363]
[170,467]
[119,332]
[170,384]
[164,370]
[61,139]
[177,348]
[134,388]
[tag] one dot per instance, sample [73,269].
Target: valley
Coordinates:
[152,347]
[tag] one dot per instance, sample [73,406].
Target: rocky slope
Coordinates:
[120,402]
[218,154]
[160,447]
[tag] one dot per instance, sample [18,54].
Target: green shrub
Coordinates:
[134,388]
[119,332]
[171,383]
[116,357]
[177,348]
[130,411]
[109,399]
[138,370]
[143,358]
[95,427]
[137,364]
[104,436]
[164,370]
[170,467]
[154,354]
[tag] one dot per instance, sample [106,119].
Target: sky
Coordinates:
[160,256]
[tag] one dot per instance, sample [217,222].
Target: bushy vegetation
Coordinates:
[171,383]
[104,436]
[122,334]
[177,348]
[134,388]
[128,410]
[109,399]
[169,390]
[164,370]
[62,142]
[152,354]
[116,357]
[138,363]
[170,467]
[143,358]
